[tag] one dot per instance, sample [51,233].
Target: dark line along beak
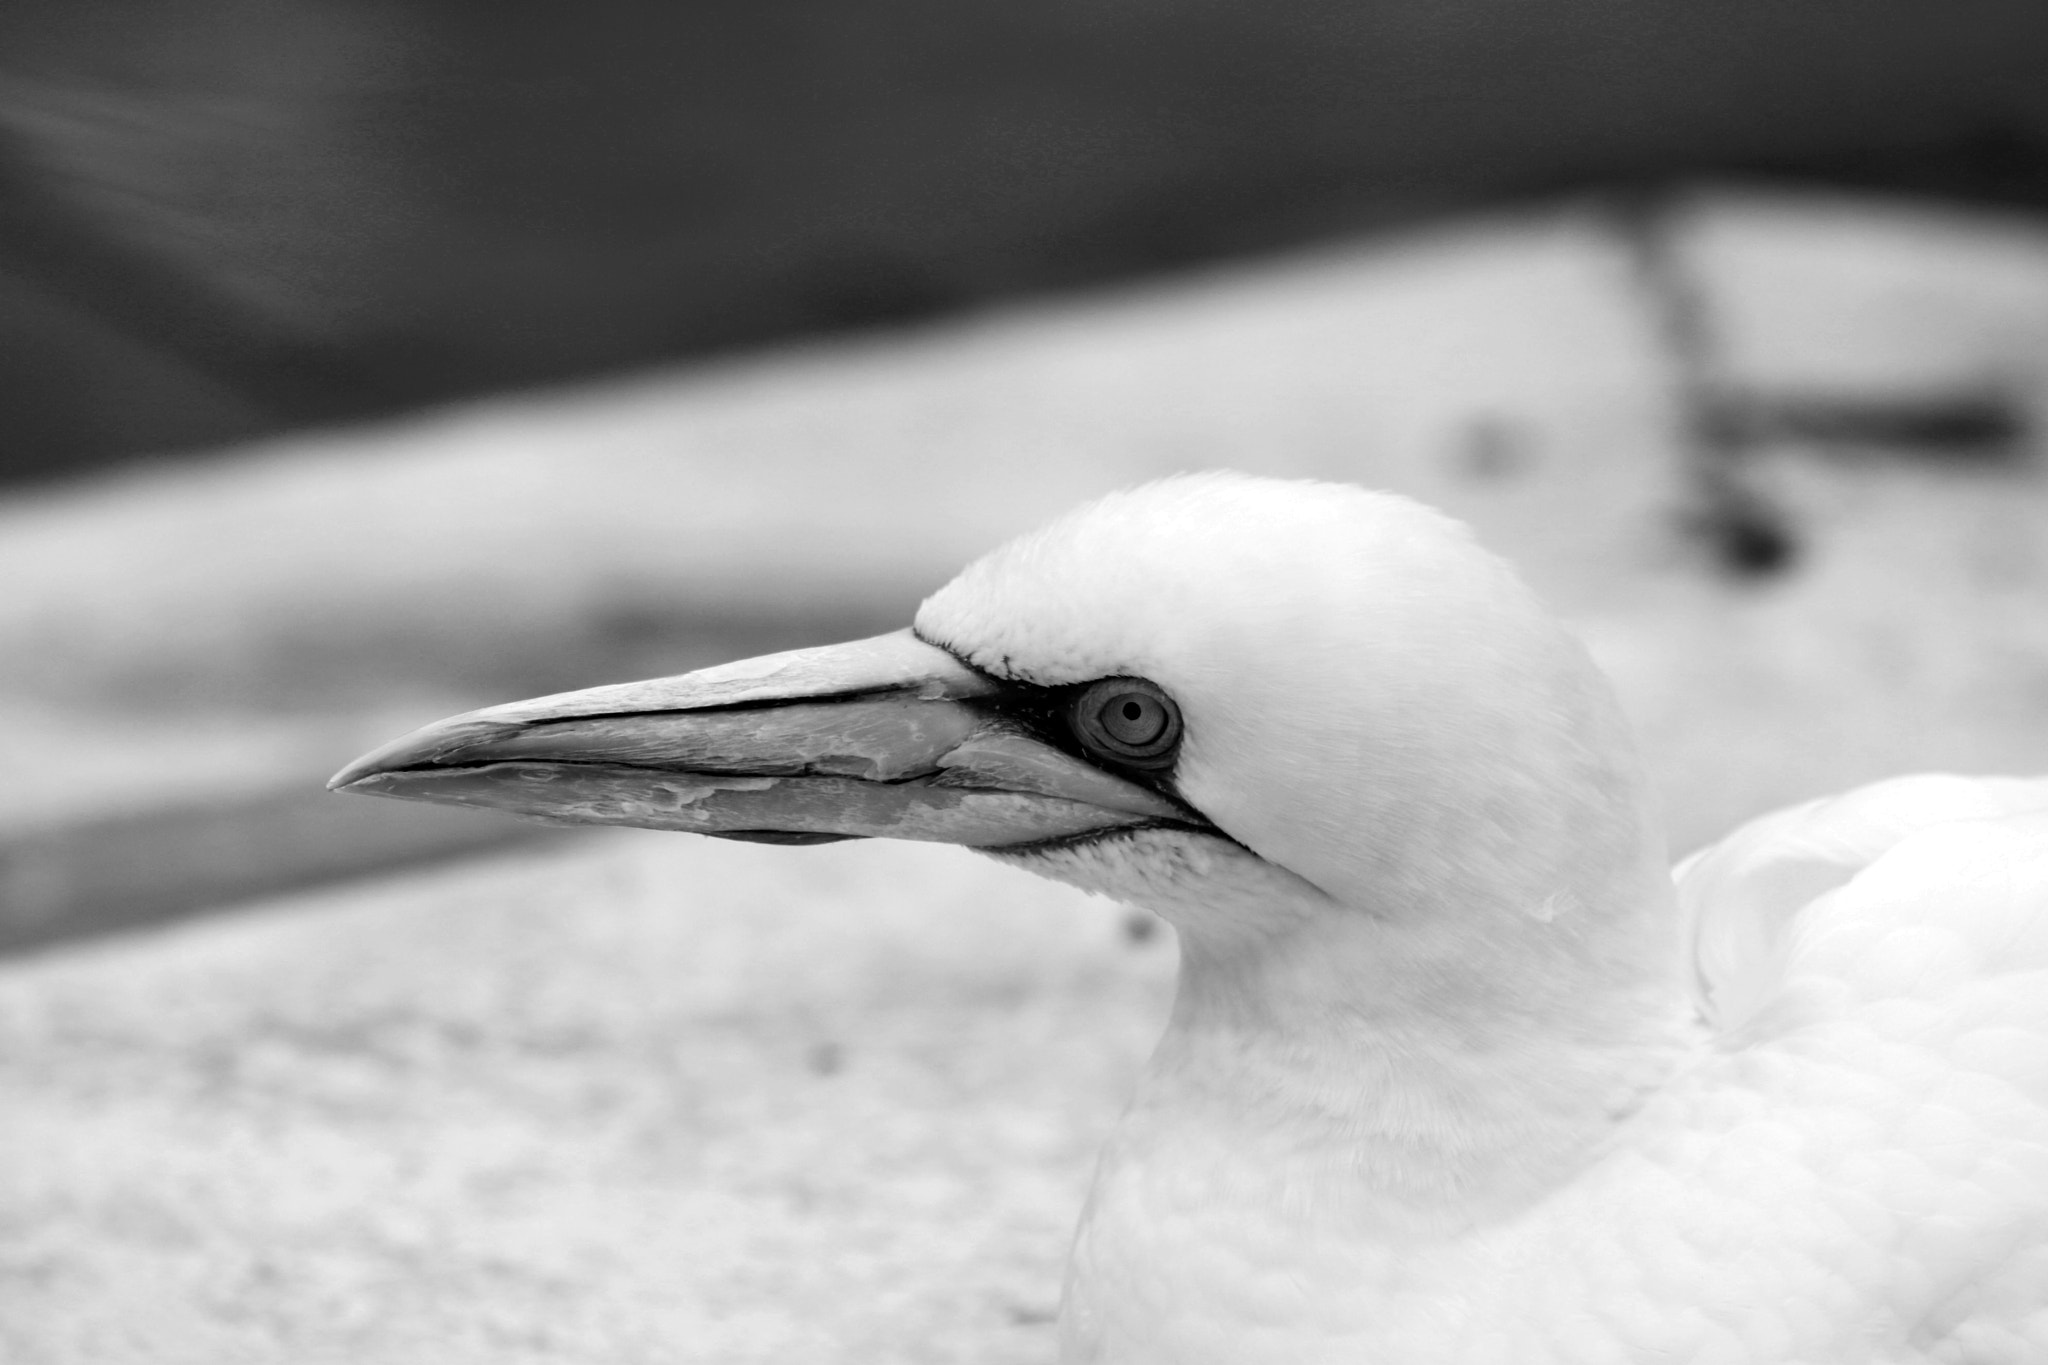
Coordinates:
[887,737]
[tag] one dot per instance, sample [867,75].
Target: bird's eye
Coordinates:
[1129,721]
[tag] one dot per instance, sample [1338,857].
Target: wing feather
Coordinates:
[1741,900]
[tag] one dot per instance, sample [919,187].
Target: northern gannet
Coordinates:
[1456,1071]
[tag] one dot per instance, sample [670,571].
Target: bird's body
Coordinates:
[1454,1073]
[1858,1174]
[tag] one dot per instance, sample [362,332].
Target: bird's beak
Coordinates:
[887,737]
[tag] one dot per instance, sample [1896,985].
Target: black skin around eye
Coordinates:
[1128,722]
[1047,715]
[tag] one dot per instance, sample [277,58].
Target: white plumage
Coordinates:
[1462,1108]
[1453,1074]
[1847,1160]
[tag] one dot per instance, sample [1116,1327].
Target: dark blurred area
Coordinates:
[225,217]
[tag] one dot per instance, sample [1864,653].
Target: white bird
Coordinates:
[1455,1072]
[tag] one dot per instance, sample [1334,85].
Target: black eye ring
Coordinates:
[1127,720]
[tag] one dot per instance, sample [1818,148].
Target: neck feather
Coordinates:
[1416,1052]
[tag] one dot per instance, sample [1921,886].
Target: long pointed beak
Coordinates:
[887,737]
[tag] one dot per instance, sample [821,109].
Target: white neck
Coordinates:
[1404,1084]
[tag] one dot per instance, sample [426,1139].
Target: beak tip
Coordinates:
[369,774]
[352,778]
[434,745]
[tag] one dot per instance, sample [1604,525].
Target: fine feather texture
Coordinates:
[1452,1075]
[1739,897]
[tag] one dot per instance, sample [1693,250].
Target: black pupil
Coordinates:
[1135,720]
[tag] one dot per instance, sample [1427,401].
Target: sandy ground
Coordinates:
[650,1098]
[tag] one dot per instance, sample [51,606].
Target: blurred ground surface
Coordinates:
[650,1100]
[654,1098]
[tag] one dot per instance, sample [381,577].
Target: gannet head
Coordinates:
[1334,741]
[1363,696]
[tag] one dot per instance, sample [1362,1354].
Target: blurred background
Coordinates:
[231,217]
[363,361]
